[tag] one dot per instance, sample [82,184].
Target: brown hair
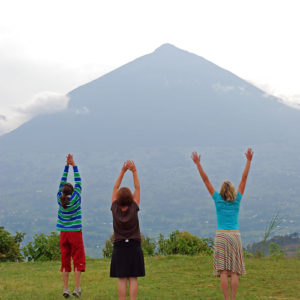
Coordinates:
[124,196]
[227,191]
[67,190]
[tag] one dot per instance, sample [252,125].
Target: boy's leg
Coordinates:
[65,276]
[78,256]
[65,251]
[133,288]
[77,279]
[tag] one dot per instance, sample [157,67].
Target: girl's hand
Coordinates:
[195,157]
[124,167]
[70,160]
[131,166]
[249,154]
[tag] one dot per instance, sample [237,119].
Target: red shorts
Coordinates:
[71,244]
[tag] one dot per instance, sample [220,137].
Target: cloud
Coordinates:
[4,124]
[292,100]
[42,103]
[222,88]
[83,111]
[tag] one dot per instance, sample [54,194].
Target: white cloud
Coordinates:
[42,103]
[222,88]
[82,111]
[292,100]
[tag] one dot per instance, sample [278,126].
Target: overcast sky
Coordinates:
[49,47]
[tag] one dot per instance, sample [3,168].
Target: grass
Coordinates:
[171,277]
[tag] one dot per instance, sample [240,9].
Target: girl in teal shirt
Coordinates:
[228,250]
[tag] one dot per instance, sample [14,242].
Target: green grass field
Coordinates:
[171,277]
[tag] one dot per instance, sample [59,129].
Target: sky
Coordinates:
[49,47]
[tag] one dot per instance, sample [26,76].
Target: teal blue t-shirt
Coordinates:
[227,212]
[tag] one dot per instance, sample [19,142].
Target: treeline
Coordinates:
[177,243]
[42,248]
[46,247]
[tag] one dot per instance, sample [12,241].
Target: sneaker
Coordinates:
[67,294]
[77,293]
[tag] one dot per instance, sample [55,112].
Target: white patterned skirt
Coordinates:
[228,252]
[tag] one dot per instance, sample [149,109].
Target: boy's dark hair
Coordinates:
[67,190]
[124,196]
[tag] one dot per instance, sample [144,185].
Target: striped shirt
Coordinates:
[69,219]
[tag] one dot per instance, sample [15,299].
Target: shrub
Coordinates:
[184,243]
[247,254]
[275,251]
[43,248]
[258,254]
[162,245]
[177,243]
[108,249]
[148,246]
[10,246]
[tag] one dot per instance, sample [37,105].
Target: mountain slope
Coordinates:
[169,97]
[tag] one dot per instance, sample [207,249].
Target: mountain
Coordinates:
[156,110]
[164,98]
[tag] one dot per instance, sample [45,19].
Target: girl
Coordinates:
[69,225]
[127,261]
[228,250]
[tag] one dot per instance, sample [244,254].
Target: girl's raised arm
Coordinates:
[64,176]
[196,159]
[77,178]
[249,155]
[136,182]
[118,182]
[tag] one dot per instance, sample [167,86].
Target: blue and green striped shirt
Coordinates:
[69,219]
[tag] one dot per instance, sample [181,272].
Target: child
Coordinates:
[69,225]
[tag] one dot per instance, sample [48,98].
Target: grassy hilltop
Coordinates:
[169,277]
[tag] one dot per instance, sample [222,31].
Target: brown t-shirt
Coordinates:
[126,223]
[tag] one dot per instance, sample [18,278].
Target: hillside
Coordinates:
[156,110]
[171,277]
[290,243]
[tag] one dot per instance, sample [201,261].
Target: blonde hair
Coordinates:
[227,191]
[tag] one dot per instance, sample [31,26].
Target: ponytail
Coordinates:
[67,190]
[64,200]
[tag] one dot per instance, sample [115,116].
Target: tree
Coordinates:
[43,248]
[10,246]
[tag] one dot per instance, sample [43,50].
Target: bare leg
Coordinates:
[133,287]
[224,284]
[234,284]
[65,276]
[77,279]
[122,285]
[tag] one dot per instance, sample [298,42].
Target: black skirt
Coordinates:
[127,259]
